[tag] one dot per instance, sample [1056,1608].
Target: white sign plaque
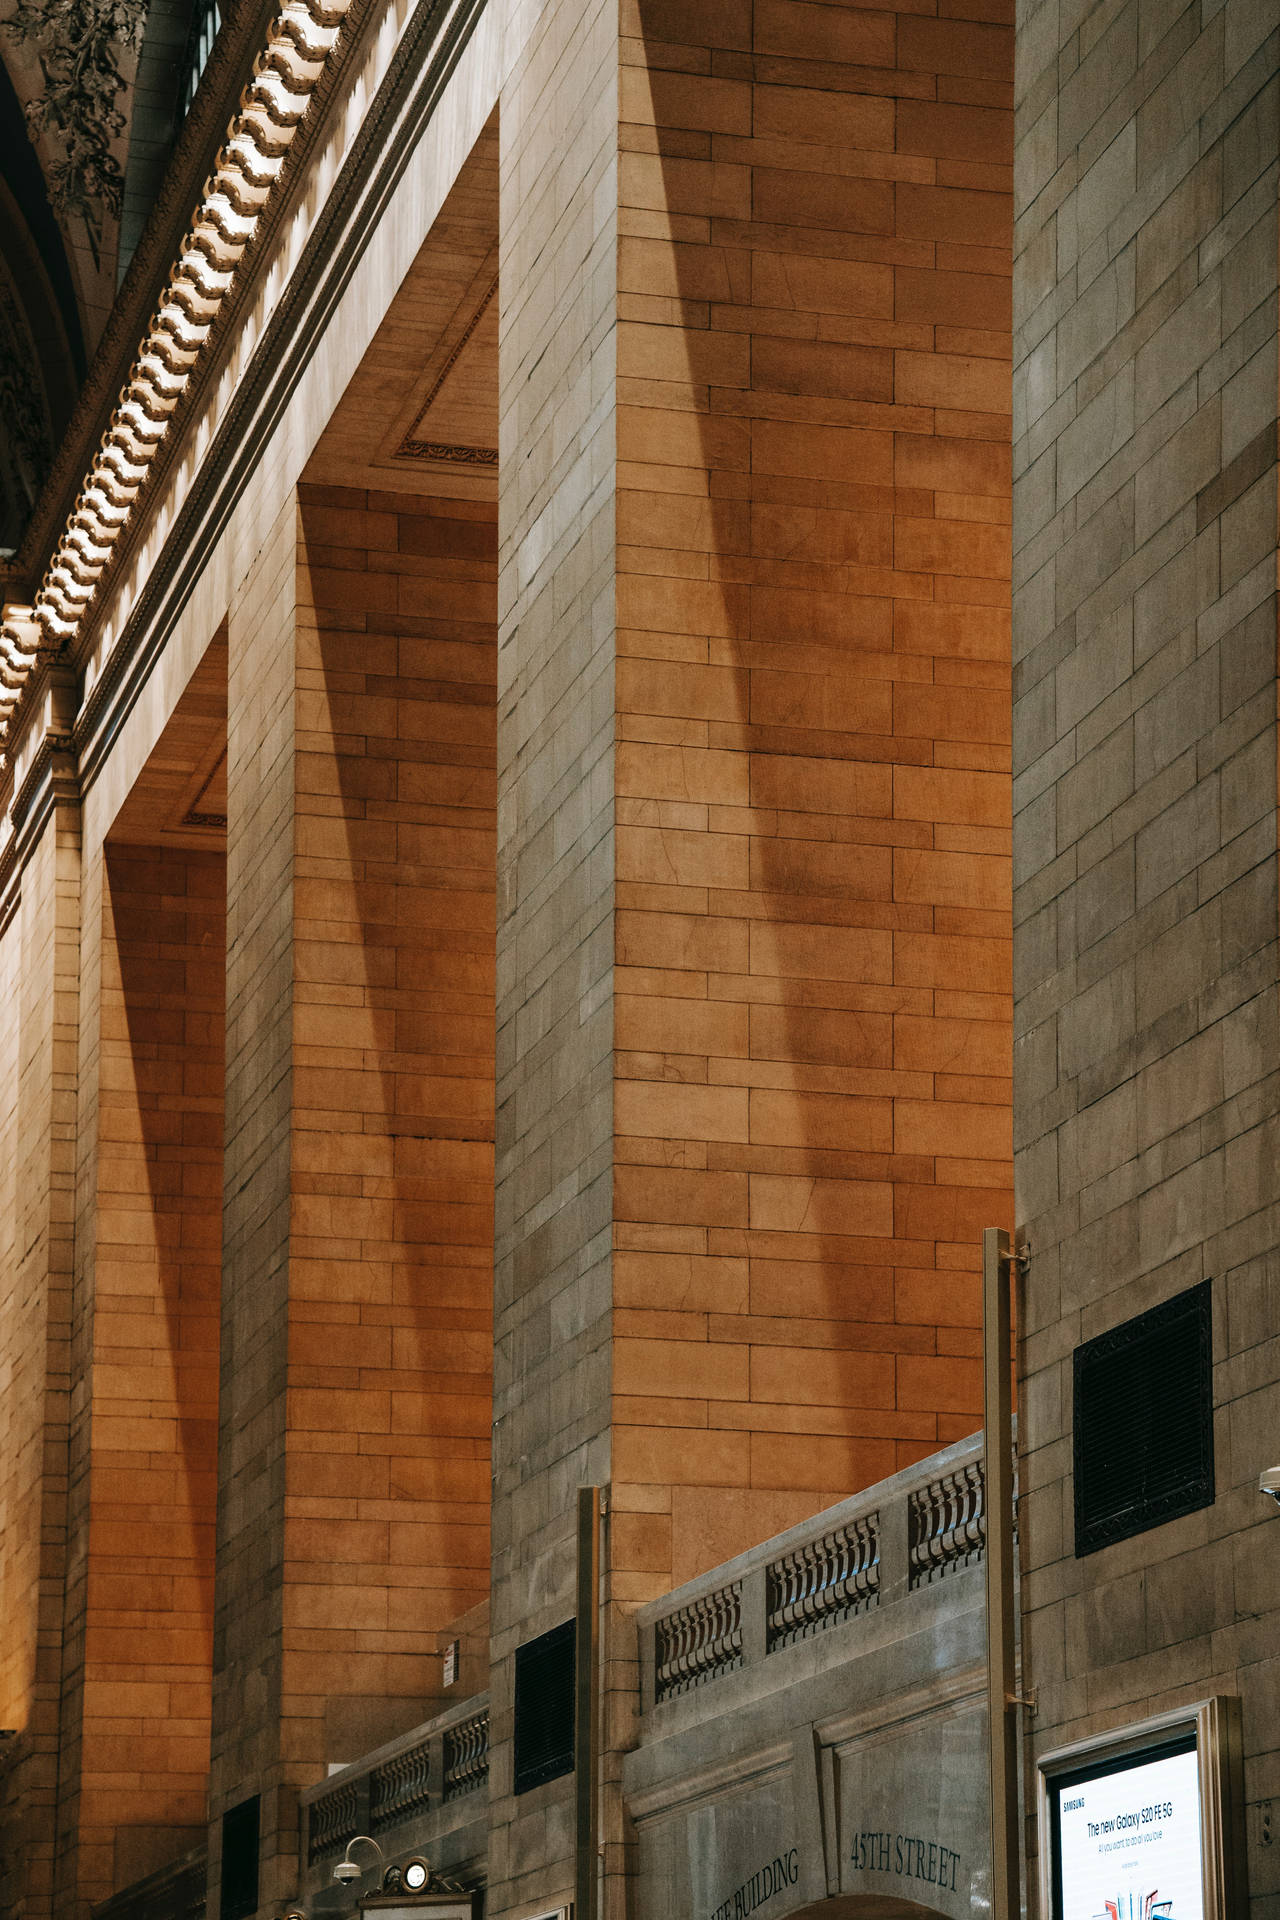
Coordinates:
[1127,1838]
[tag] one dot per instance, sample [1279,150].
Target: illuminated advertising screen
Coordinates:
[1125,1834]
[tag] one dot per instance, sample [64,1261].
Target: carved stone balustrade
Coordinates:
[422,1793]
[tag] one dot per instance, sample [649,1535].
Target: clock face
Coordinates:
[416,1874]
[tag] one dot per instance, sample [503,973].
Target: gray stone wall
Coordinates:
[1146,1089]
[248,1618]
[42,1333]
[554,1169]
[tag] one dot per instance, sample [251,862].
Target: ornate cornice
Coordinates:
[272,105]
[243,33]
[424,58]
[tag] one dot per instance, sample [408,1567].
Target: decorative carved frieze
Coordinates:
[78,44]
[25,441]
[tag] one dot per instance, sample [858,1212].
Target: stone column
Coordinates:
[556,872]
[813,1041]
[754,1104]
[41,960]
[138,1649]
[1145,831]
[355,1372]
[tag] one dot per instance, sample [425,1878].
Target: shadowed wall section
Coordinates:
[356,1374]
[392,1256]
[813,929]
[148,1601]
[41,981]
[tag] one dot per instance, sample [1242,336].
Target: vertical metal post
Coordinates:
[586,1785]
[997,1383]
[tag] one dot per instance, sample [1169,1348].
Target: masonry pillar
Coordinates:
[39,953]
[556,875]
[355,1366]
[1145,832]
[754,799]
[138,1619]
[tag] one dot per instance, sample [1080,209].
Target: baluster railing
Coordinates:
[699,1642]
[822,1582]
[946,1523]
[922,1525]
[399,1787]
[466,1756]
[334,1820]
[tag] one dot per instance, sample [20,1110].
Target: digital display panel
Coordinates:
[1126,1837]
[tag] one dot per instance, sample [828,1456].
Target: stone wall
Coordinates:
[257,1171]
[42,942]
[146,1478]
[554,1169]
[753,780]
[1145,820]
[356,1356]
[752,867]
[391,1257]
[813,1022]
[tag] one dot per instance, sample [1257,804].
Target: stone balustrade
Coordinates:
[420,1793]
[880,1547]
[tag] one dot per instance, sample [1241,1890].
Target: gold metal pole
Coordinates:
[1001,1680]
[586,1787]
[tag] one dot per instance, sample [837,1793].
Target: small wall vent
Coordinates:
[544,1708]
[1143,1421]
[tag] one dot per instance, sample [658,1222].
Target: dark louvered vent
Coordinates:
[544,1708]
[1144,1421]
[239,1861]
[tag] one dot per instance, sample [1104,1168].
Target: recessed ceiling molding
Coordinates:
[418,442]
[447,450]
[270,110]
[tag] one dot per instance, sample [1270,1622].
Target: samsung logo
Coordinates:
[1069,1806]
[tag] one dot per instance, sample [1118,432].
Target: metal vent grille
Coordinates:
[544,1708]
[1144,1421]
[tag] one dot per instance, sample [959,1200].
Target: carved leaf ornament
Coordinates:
[270,110]
[77,43]
[25,446]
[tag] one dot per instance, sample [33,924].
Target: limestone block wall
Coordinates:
[391,1258]
[813,1012]
[1145,820]
[257,1167]
[355,1403]
[138,1646]
[18,1650]
[753,881]
[554,1163]
[40,956]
